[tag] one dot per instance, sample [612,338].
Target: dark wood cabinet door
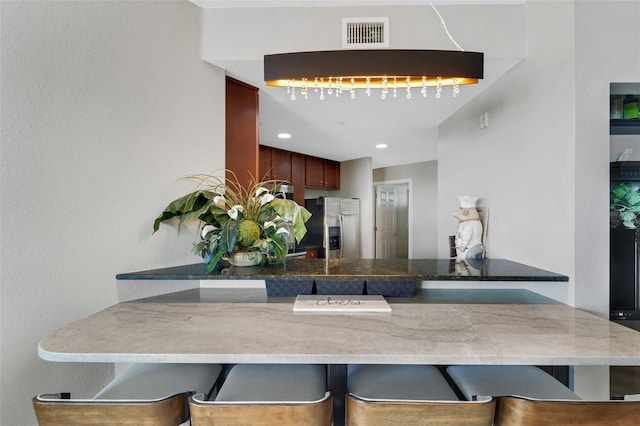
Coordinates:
[241,153]
[298,177]
[281,165]
[331,174]
[265,161]
[314,174]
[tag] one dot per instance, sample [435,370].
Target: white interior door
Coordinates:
[386,222]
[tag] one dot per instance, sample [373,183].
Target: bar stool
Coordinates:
[527,395]
[409,394]
[144,394]
[516,410]
[507,380]
[270,394]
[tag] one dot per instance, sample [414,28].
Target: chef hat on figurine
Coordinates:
[467,201]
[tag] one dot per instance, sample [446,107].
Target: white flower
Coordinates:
[261,190]
[269,224]
[282,231]
[266,198]
[219,200]
[206,229]
[261,243]
[233,212]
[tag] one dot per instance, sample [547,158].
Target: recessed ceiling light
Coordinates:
[284,135]
[381,146]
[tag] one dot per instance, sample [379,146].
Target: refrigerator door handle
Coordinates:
[342,240]
[325,240]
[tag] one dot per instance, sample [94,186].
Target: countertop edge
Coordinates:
[496,270]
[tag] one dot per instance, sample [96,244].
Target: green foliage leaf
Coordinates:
[214,261]
[294,213]
[229,236]
[190,206]
[632,198]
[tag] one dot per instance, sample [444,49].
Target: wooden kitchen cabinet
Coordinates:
[297,177]
[331,174]
[314,173]
[275,163]
[322,173]
[241,153]
[300,170]
[264,162]
[281,165]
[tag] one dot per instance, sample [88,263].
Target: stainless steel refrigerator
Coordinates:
[334,227]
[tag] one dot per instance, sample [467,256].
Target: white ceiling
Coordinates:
[343,128]
[211,4]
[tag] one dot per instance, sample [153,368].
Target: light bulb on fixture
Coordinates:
[284,135]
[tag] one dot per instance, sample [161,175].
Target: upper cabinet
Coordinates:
[264,162]
[299,169]
[275,164]
[314,172]
[281,164]
[322,173]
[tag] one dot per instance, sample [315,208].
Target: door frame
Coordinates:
[409,212]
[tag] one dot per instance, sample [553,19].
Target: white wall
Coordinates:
[423,204]
[542,165]
[522,165]
[104,105]
[607,51]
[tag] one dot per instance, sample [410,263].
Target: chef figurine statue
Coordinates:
[468,238]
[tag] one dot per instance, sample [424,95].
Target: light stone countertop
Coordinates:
[435,327]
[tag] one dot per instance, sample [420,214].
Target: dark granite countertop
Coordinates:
[297,269]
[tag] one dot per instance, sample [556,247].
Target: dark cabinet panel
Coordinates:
[314,175]
[322,173]
[265,163]
[624,269]
[298,176]
[275,164]
[241,145]
[331,174]
[281,165]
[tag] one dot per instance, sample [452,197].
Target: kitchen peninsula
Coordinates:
[435,326]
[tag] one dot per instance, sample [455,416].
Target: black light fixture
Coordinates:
[384,69]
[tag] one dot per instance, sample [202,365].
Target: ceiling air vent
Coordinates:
[358,33]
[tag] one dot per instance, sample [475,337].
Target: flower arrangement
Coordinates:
[255,221]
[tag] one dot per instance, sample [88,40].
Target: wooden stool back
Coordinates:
[361,412]
[53,411]
[513,410]
[313,413]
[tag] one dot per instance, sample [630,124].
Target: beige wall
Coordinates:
[104,106]
[423,204]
